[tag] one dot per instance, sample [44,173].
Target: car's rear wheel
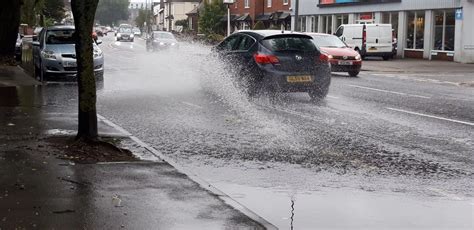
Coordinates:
[386,57]
[354,73]
[321,90]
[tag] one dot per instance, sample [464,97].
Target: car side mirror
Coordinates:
[98,42]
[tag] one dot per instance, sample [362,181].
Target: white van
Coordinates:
[368,39]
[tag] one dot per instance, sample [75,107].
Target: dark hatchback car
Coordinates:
[160,40]
[277,61]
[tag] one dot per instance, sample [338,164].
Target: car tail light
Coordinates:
[364,37]
[265,59]
[323,57]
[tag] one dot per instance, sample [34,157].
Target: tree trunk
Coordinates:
[9,24]
[84,12]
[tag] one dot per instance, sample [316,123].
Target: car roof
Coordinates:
[319,34]
[62,27]
[268,33]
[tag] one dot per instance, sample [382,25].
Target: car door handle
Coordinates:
[377,40]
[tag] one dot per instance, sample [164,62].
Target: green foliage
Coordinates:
[210,17]
[259,26]
[54,10]
[50,10]
[111,11]
[183,23]
[142,17]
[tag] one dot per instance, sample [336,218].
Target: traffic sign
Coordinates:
[459,14]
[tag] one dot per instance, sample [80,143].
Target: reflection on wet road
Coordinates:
[377,152]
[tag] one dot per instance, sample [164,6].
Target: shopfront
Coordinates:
[429,29]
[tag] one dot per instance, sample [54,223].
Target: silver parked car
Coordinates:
[54,55]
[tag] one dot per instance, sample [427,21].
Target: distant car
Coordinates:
[125,34]
[18,47]
[276,61]
[54,55]
[137,32]
[341,57]
[160,40]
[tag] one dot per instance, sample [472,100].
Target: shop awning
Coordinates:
[193,11]
[284,16]
[245,17]
[263,17]
[232,18]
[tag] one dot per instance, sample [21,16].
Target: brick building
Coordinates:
[273,13]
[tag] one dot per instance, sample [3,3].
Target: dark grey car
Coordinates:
[277,61]
[160,40]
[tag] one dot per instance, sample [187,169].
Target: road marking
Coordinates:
[192,105]
[431,116]
[388,91]
[333,97]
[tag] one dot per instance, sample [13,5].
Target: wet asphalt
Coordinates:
[406,142]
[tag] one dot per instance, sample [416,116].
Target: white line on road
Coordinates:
[191,104]
[432,116]
[388,91]
[333,97]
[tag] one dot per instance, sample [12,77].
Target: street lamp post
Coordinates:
[228,3]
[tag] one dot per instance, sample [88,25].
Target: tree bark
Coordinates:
[83,12]
[9,23]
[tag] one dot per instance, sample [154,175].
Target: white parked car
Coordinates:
[368,39]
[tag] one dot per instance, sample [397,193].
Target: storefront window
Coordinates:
[444,25]
[302,24]
[450,26]
[415,30]
[342,19]
[327,24]
[314,24]
[391,18]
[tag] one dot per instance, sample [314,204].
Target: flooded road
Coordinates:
[376,153]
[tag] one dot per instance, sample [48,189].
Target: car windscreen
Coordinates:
[60,37]
[125,30]
[328,41]
[163,36]
[289,43]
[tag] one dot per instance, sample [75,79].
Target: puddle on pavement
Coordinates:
[351,209]
[13,96]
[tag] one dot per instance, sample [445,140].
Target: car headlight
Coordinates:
[119,35]
[173,44]
[330,56]
[48,54]
[131,35]
[162,43]
[97,53]
[357,57]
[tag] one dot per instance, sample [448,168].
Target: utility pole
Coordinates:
[296,24]
[228,3]
[169,16]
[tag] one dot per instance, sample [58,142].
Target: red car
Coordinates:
[341,57]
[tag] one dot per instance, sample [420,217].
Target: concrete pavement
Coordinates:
[424,70]
[39,190]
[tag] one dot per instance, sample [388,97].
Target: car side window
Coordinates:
[245,43]
[230,43]
[340,31]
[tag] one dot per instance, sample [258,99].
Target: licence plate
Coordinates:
[372,48]
[301,78]
[70,64]
[345,63]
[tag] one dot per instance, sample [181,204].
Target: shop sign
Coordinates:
[458,14]
[323,3]
[366,16]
